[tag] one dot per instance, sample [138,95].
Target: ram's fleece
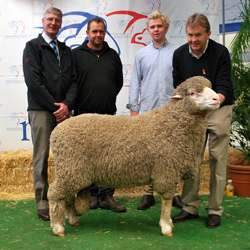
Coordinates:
[159,147]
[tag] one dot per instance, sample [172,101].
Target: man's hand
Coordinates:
[222,98]
[133,113]
[61,113]
[202,114]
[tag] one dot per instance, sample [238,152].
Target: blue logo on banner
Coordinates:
[44,3]
[17,27]
[99,3]
[15,70]
[77,27]
[179,25]
[16,117]
[208,4]
[152,3]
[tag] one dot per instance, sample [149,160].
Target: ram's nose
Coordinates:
[215,102]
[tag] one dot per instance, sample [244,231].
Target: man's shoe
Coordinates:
[110,204]
[146,202]
[213,220]
[43,214]
[183,216]
[94,202]
[177,202]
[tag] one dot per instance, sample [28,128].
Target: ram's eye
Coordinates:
[192,93]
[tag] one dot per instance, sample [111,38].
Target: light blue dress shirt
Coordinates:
[151,81]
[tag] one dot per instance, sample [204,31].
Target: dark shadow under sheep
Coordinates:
[159,147]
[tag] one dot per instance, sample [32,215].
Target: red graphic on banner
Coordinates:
[214,3]
[138,36]
[136,16]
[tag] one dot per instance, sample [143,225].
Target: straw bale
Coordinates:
[204,188]
[234,155]
[206,157]
[51,173]
[204,172]
[10,159]
[2,179]
[16,174]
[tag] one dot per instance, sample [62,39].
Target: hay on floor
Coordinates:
[16,175]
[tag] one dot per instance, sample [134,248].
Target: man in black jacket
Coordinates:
[52,88]
[203,56]
[99,72]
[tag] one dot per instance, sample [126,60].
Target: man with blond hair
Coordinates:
[151,82]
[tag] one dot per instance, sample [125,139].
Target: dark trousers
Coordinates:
[101,192]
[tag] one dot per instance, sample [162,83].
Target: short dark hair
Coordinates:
[96,19]
[198,19]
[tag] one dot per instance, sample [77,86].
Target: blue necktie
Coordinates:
[53,43]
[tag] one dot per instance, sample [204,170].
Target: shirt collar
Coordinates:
[198,57]
[163,45]
[47,38]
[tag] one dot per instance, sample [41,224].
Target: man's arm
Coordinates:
[223,85]
[134,88]
[33,78]
[176,71]
[72,91]
[69,101]
[119,75]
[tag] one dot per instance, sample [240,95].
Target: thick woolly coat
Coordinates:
[159,147]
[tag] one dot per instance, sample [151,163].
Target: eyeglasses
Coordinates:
[50,19]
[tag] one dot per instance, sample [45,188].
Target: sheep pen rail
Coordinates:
[16,175]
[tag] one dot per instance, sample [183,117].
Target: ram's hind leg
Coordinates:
[78,205]
[83,201]
[165,221]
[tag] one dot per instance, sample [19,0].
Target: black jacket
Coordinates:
[214,64]
[100,79]
[47,83]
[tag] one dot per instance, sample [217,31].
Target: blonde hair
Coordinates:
[157,14]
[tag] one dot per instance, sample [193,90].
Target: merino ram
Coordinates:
[159,147]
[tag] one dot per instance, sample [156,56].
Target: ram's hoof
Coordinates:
[172,225]
[168,234]
[76,224]
[60,234]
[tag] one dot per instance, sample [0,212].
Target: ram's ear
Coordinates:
[176,97]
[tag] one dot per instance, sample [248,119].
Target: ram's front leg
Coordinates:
[165,221]
[70,212]
[57,209]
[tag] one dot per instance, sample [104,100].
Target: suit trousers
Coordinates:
[42,123]
[218,135]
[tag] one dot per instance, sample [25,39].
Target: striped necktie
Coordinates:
[53,43]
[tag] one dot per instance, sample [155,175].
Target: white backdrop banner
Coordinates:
[21,20]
